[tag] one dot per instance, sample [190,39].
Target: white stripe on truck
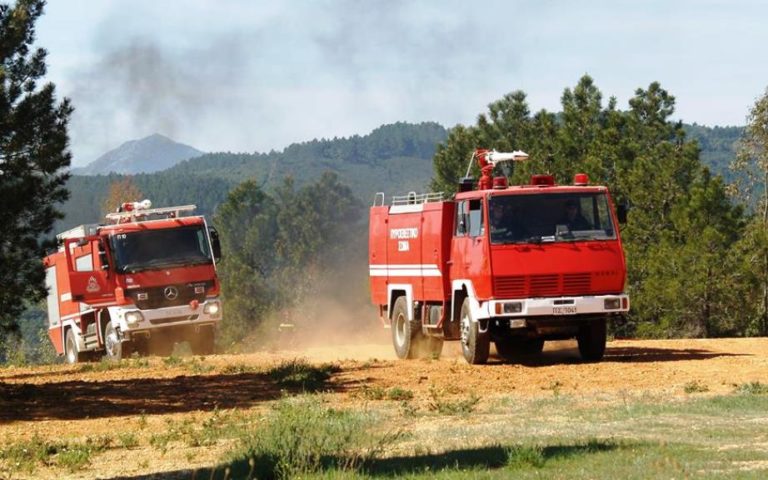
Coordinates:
[404,271]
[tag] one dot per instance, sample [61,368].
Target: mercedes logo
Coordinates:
[171,293]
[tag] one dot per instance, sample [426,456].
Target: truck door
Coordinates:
[89,284]
[470,250]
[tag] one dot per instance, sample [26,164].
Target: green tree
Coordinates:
[752,165]
[248,227]
[682,273]
[33,159]
[286,248]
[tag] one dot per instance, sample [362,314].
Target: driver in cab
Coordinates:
[505,224]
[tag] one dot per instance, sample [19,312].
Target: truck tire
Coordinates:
[202,342]
[71,355]
[591,339]
[113,347]
[474,344]
[406,334]
[512,348]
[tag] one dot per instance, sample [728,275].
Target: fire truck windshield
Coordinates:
[164,248]
[555,217]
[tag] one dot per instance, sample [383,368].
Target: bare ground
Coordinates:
[69,402]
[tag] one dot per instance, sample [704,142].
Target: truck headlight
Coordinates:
[612,303]
[509,307]
[133,317]
[212,308]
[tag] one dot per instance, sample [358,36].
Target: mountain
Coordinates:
[147,155]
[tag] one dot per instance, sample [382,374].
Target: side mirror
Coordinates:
[621,212]
[215,243]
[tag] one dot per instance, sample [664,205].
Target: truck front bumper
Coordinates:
[134,321]
[558,306]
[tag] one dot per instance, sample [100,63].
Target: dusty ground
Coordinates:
[66,402]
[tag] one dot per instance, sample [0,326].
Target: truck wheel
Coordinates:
[115,349]
[591,339]
[474,344]
[71,354]
[512,348]
[406,334]
[202,342]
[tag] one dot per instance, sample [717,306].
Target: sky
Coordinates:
[257,75]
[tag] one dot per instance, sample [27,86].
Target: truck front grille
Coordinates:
[156,296]
[522,286]
[577,283]
[544,285]
[162,321]
[509,287]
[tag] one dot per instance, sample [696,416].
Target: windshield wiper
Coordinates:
[162,263]
[132,268]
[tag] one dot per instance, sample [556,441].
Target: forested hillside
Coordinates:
[718,146]
[393,158]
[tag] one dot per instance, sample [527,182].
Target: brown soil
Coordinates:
[64,402]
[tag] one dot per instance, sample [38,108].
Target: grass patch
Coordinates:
[173,361]
[192,432]
[379,393]
[695,386]
[525,456]
[127,440]
[752,388]
[106,364]
[373,393]
[302,436]
[302,375]
[446,406]
[237,369]
[28,455]
[399,394]
[198,366]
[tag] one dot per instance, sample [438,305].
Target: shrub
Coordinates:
[445,406]
[525,456]
[301,374]
[399,394]
[695,387]
[29,454]
[752,388]
[302,436]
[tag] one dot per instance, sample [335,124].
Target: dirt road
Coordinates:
[77,402]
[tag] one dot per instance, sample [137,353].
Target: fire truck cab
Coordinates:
[140,283]
[515,266]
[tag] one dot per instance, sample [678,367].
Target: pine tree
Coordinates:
[683,274]
[33,159]
[752,165]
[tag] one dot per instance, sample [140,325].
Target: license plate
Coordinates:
[564,310]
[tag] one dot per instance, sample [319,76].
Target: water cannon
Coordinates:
[494,158]
[134,206]
[487,161]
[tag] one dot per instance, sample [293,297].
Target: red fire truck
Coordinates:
[140,283]
[516,265]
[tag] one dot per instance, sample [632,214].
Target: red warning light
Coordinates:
[581,179]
